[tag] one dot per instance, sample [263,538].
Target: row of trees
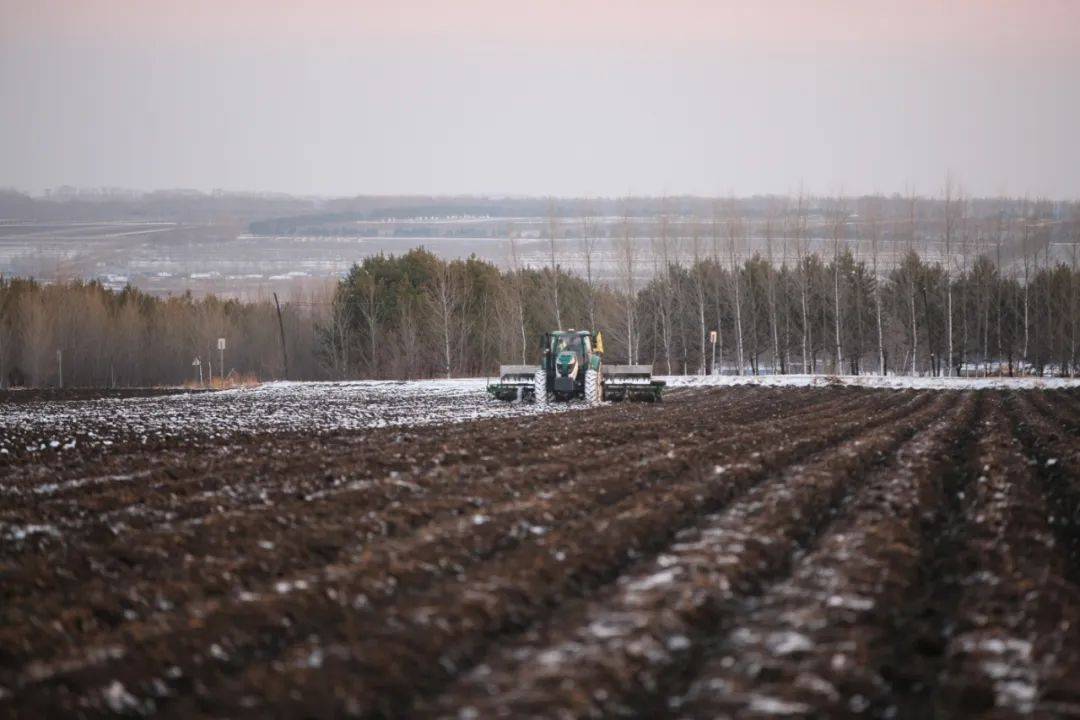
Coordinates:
[83,334]
[786,290]
[872,286]
[416,315]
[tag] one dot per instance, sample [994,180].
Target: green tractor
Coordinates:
[572,367]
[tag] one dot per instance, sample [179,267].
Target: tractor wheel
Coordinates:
[540,387]
[592,387]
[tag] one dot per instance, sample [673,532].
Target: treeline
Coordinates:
[418,316]
[83,334]
[889,285]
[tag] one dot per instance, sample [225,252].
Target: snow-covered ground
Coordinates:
[272,407]
[875,381]
[57,426]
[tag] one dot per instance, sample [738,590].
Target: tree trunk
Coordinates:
[773,325]
[838,357]
[875,232]
[800,254]
[1074,287]
[553,251]
[948,276]
[732,231]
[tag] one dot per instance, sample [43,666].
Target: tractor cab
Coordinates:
[567,354]
[571,366]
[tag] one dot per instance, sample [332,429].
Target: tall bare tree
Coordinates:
[444,299]
[770,227]
[963,228]
[874,223]
[836,225]
[553,252]
[718,294]
[1074,290]
[698,278]
[950,220]
[999,298]
[589,240]
[1026,247]
[736,231]
[801,241]
[662,266]
[912,285]
[370,304]
[517,292]
[626,251]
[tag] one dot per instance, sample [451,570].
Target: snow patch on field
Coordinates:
[316,407]
[897,382]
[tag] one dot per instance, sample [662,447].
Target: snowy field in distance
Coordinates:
[319,407]
[272,407]
[897,382]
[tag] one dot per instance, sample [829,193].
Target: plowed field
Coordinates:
[736,552]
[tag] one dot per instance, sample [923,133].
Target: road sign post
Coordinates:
[221,357]
[198,363]
[712,339]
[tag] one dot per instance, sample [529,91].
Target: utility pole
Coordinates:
[281,333]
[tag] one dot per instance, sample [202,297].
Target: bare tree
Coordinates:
[735,230]
[770,222]
[340,337]
[444,298]
[912,284]
[1048,291]
[801,241]
[717,289]
[662,262]
[983,290]
[4,341]
[698,278]
[1026,242]
[949,230]
[964,236]
[517,292]
[999,299]
[1074,289]
[874,221]
[553,228]
[588,251]
[371,301]
[626,251]
[839,217]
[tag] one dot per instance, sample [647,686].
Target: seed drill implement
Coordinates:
[572,368]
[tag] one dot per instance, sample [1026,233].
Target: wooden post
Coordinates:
[281,332]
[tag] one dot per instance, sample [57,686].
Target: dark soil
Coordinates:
[28,395]
[748,552]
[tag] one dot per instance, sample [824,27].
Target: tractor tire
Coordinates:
[540,387]
[592,387]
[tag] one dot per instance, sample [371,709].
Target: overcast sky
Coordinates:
[337,97]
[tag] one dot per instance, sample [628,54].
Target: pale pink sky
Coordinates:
[992,26]
[337,97]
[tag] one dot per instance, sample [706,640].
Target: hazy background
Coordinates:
[583,98]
